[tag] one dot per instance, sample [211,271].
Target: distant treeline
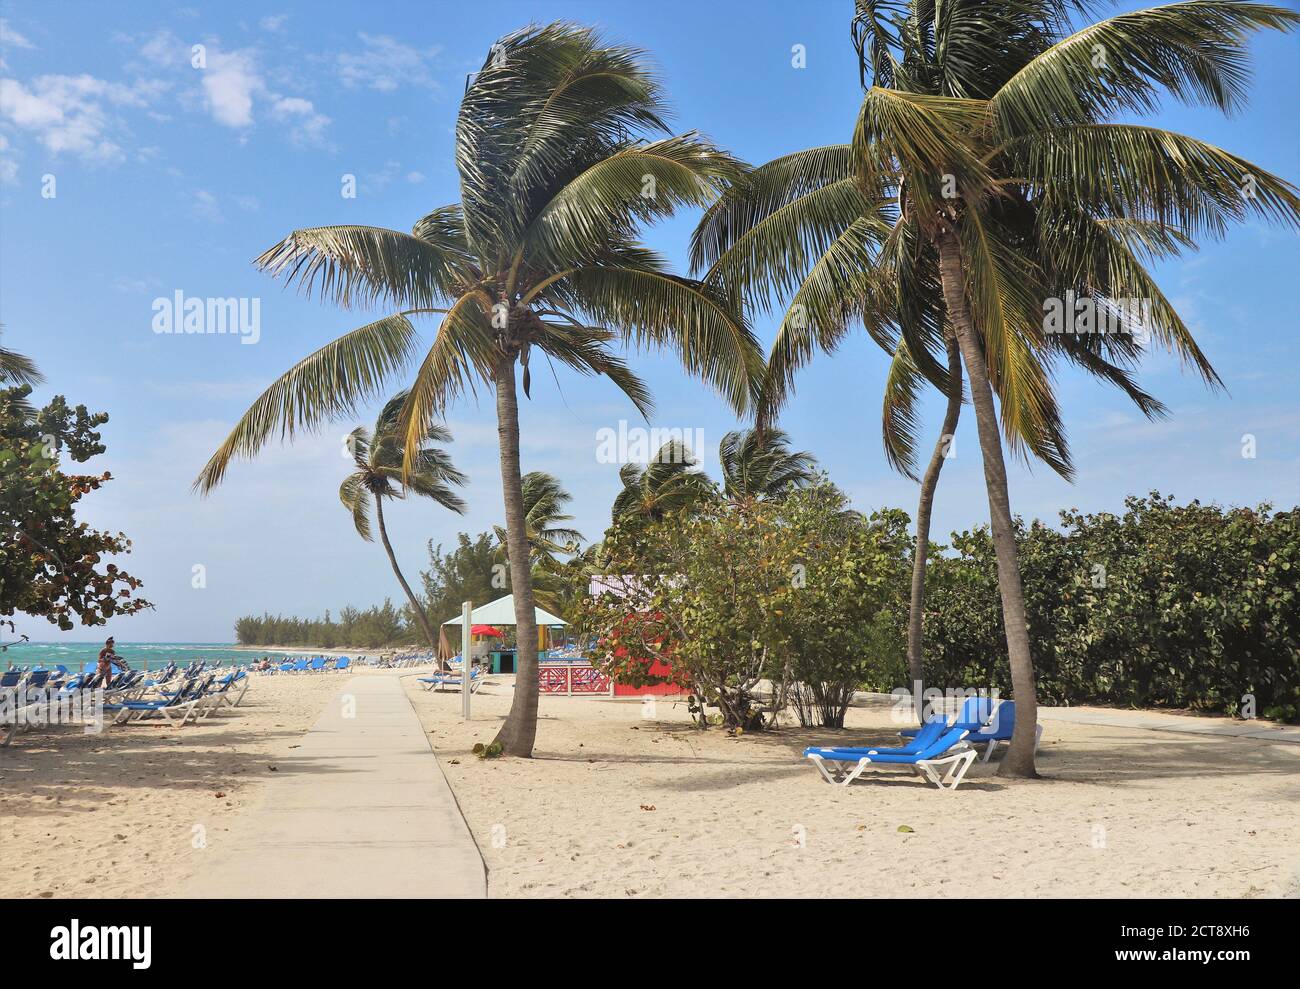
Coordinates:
[470,572]
[379,626]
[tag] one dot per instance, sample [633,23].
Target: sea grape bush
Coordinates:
[51,565]
[844,610]
[799,595]
[1192,606]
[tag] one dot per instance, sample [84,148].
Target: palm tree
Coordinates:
[986,178]
[669,483]
[17,368]
[759,465]
[379,458]
[540,256]
[544,501]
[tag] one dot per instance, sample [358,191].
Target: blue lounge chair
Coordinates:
[452,681]
[342,663]
[300,665]
[318,664]
[925,736]
[186,704]
[37,678]
[1000,729]
[948,750]
[974,714]
[234,683]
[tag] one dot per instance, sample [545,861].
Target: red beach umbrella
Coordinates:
[485,630]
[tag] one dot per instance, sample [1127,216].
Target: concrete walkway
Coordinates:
[360,809]
[1152,721]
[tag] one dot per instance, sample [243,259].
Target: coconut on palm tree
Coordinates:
[758,465]
[988,179]
[379,457]
[558,170]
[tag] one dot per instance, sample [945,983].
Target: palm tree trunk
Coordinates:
[930,481]
[418,608]
[1019,760]
[520,729]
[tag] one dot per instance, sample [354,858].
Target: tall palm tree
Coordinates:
[669,483]
[759,464]
[544,501]
[379,458]
[986,177]
[18,368]
[557,173]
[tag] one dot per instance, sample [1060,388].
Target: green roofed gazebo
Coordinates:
[502,612]
[499,612]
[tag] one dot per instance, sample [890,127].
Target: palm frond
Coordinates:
[637,183]
[687,316]
[463,351]
[1197,51]
[356,499]
[325,385]
[363,266]
[18,368]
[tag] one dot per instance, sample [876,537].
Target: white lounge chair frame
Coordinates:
[956,761]
[440,682]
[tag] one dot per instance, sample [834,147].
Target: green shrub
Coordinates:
[1190,606]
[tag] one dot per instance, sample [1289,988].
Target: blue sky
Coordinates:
[169,177]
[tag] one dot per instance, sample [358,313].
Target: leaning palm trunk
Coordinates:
[1019,760]
[929,481]
[414,602]
[520,729]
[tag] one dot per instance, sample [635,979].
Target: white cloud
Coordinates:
[129,285]
[308,127]
[74,114]
[9,38]
[273,23]
[164,49]
[8,167]
[386,64]
[205,205]
[230,82]
[415,178]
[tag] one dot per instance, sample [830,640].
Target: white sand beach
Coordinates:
[115,814]
[628,800]
[623,801]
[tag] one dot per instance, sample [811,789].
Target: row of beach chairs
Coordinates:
[320,664]
[178,695]
[326,664]
[404,660]
[940,750]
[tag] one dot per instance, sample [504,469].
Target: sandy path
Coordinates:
[625,801]
[118,814]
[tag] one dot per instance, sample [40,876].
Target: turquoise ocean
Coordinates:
[138,655]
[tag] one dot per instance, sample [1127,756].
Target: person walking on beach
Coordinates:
[104,671]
